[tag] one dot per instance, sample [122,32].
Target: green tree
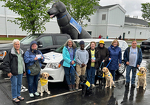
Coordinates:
[146,11]
[81,9]
[33,14]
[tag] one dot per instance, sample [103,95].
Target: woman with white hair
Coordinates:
[69,61]
[13,64]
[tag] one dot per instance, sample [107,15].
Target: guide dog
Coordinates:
[142,78]
[86,88]
[100,77]
[66,23]
[109,78]
[43,83]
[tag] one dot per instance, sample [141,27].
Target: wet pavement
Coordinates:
[100,96]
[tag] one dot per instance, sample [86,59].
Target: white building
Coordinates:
[10,29]
[108,20]
[111,20]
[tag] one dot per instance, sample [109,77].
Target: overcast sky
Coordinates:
[132,7]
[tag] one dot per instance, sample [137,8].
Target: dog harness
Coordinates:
[139,74]
[107,75]
[87,83]
[43,81]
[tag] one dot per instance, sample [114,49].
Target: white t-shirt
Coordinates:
[133,57]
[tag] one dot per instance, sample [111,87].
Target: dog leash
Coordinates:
[108,63]
[100,68]
[101,65]
[74,70]
[87,82]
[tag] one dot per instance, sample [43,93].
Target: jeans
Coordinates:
[68,73]
[16,82]
[113,72]
[128,70]
[91,75]
[32,82]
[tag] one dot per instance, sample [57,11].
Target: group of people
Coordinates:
[16,63]
[88,61]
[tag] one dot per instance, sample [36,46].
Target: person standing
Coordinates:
[133,59]
[119,37]
[104,55]
[69,61]
[92,65]
[100,37]
[82,58]
[107,37]
[30,57]
[115,55]
[13,64]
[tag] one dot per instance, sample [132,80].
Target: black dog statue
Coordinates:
[85,89]
[66,23]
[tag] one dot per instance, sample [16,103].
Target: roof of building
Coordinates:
[136,21]
[105,7]
[111,6]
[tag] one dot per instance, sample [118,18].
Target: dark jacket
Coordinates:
[97,58]
[10,62]
[139,57]
[116,57]
[30,55]
[104,55]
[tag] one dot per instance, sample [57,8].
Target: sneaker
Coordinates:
[97,82]
[93,85]
[24,90]
[77,86]
[36,93]
[73,87]
[31,95]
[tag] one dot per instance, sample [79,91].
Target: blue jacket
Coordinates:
[30,55]
[66,57]
[139,57]
[115,55]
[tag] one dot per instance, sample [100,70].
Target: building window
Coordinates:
[103,16]
[128,32]
[90,32]
[140,33]
[89,20]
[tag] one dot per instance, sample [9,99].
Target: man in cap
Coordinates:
[82,58]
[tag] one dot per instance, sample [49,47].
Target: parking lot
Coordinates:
[101,96]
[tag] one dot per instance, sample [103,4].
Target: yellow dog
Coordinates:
[109,78]
[43,84]
[142,78]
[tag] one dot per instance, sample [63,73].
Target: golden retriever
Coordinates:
[108,77]
[43,83]
[142,78]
